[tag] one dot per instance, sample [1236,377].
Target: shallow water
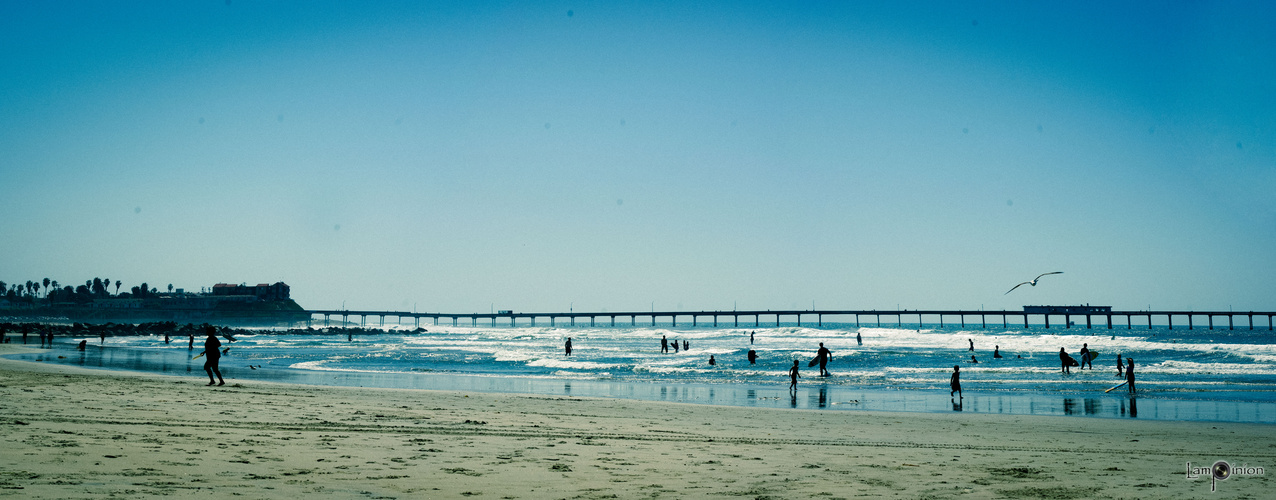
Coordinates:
[1224,375]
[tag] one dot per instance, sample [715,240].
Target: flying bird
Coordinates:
[1033,282]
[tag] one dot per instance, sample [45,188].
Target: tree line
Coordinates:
[56,293]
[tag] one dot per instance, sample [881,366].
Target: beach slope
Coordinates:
[67,432]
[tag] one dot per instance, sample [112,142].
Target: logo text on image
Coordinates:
[1220,471]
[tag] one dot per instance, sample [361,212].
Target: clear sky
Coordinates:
[610,156]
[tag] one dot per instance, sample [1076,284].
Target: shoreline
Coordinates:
[70,431]
[812,394]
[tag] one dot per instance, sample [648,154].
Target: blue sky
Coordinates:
[605,156]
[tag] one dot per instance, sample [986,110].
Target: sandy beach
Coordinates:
[67,432]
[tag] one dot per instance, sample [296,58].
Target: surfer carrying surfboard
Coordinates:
[1066,361]
[823,356]
[1085,357]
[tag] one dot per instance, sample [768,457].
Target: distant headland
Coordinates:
[94,302]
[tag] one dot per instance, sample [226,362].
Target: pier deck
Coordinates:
[816,317]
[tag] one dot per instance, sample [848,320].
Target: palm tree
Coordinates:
[117,286]
[30,287]
[46,287]
[4,287]
[170,288]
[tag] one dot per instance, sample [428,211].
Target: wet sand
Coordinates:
[68,432]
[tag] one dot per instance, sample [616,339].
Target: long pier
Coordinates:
[816,317]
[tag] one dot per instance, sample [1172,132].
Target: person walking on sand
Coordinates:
[955,382]
[1129,374]
[1085,356]
[1120,367]
[568,346]
[664,344]
[1065,360]
[824,355]
[793,376]
[212,356]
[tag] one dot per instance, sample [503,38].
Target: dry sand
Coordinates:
[67,432]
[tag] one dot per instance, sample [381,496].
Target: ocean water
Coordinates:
[1224,375]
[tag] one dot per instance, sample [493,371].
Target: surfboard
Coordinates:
[1073,361]
[1115,386]
[1092,355]
[813,362]
[197,356]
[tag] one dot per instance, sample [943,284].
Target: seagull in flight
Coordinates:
[1033,282]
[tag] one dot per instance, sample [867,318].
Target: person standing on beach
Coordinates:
[1129,374]
[686,345]
[191,344]
[212,356]
[1064,359]
[824,355]
[793,376]
[568,346]
[972,344]
[750,338]
[858,339]
[1085,356]
[664,344]
[1120,367]
[675,346]
[955,382]
[101,338]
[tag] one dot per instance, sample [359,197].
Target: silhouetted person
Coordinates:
[955,382]
[972,344]
[973,360]
[711,360]
[1065,360]
[750,338]
[686,345]
[664,344]
[50,335]
[824,355]
[568,346]
[191,343]
[793,376]
[101,338]
[1120,367]
[24,334]
[1129,374]
[753,357]
[1085,357]
[82,344]
[167,339]
[212,356]
[858,339]
[675,346]
[996,352]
